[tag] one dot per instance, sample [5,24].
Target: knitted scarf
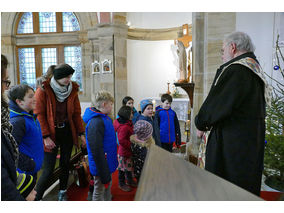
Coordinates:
[61,92]
[6,128]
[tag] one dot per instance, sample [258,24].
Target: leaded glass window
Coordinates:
[35,59]
[73,57]
[49,57]
[47,22]
[27,66]
[70,22]
[26,23]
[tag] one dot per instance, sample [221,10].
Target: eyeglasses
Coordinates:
[7,82]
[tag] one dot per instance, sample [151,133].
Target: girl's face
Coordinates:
[148,112]
[130,103]
[65,81]
[29,102]
[166,104]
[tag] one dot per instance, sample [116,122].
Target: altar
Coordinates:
[179,105]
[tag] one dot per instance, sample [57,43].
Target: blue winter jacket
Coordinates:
[27,132]
[166,125]
[101,144]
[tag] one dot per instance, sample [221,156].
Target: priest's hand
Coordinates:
[199,133]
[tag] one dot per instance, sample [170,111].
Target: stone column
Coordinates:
[208,30]
[109,42]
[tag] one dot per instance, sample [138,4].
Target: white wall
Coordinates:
[158,20]
[261,28]
[150,63]
[149,67]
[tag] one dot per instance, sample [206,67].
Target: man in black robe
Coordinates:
[234,112]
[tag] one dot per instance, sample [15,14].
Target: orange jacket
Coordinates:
[45,110]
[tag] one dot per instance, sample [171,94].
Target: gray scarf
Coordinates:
[6,128]
[61,92]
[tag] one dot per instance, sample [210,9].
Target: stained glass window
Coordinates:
[49,57]
[27,66]
[72,57]
[47,22]
[70,22]
[26,23]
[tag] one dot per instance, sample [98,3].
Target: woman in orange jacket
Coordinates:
[59,113]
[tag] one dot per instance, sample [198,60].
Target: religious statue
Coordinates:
[180,61]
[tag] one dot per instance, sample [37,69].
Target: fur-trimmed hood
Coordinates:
[147,144]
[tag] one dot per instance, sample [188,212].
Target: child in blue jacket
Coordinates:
[26,129]
[166,124]
[146,107]
[101,145]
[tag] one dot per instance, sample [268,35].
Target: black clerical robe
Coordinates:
[234,111]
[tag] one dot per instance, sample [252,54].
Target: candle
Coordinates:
[154,104]
[187,125]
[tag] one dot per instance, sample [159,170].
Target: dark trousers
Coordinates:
[167,146]
[121,177]
[64,141]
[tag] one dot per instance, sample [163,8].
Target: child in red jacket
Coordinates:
[124,128]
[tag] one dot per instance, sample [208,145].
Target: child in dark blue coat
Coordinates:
[26,129]
[146,107]
[166,124]
[101,145]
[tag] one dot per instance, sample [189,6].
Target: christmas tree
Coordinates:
[274,148]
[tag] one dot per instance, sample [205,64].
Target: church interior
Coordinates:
[142,55]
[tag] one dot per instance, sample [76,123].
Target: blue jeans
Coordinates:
[64,141]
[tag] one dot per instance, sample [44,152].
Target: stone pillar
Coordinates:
[208,30]
[109,42]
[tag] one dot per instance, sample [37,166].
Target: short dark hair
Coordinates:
[125,112]
[166,97]
[126,99]
[19,92]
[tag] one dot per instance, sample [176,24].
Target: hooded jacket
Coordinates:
[124,131]
[101,144]
[27,133]
[166,126]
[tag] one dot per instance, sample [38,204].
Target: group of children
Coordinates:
[133,132]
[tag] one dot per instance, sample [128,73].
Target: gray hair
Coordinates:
[242,40]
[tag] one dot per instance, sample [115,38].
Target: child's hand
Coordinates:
[31,196]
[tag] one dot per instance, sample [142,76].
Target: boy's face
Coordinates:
[148,112]
[130,103]
[29,102]
[166,104]
[107,107]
